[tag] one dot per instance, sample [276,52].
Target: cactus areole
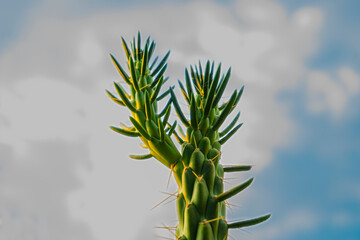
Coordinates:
[201,199]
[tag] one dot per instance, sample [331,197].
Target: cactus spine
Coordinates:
[201,200]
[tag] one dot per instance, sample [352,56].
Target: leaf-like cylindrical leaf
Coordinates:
[188,84]
[167,115]
[206,79]
[167,92]
[160,75]
[237,168]
[184,92]
[228,194]
[151,50]
[230,126]
[157,90]
[225,112]
[161,130]
[140,129]
[195,80]
[168,104]
[172,128]
[126,49]
[250,222]
[161,64]
[210,97]
[125,132]
[115,99]
[229,135]
[148,110]
[193,116]
[141,157]
[133,75]
[222,87]
[178,109]
[237,98]
[144,62]
[123,97]
[121,70]
[138,47]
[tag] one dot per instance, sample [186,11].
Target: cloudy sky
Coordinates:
[65,175]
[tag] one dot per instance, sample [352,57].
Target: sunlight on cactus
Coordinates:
[201,200]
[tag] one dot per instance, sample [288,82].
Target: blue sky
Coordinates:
[299,62]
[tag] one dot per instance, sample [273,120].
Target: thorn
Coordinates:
[170,229]
[171,171]
[219,154]
[195,142]
[163,201]
[196,176]
[228,205]
[212,220]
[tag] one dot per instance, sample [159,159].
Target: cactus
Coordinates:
[201,199]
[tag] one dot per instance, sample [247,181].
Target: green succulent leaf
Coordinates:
[144,62]
[161,64]
[125,132]
[210,97]
[167,92]
[123,97]
[121,70]
[178,109]
[225,112]
[133,75]
[228,194]
[237,168]
[188,84]
[140,129]
[193,115]
[138,48]
[250,222]
[229,135]
[238,98]
[115,99]
[141,157]
[153,63]
[126,49]
[168,105]
[230,126]
[167,115]
[221,87]
[148,110]
[184,92]
[160,75]
[206,79]
[155,93]
[172,128]
[151,50]
[178,138]
[195,80]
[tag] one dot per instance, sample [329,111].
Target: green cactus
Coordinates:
[201,200]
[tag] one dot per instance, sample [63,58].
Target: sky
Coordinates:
[65,175]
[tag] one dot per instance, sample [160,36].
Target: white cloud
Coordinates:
[298,220]
[332,93]
[58,95]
